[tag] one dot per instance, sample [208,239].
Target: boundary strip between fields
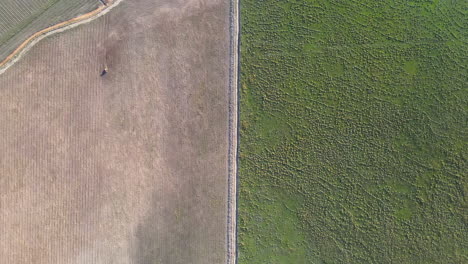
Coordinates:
[26,45]
[233,137]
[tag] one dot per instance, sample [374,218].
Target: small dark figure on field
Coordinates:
[104,2]
[104,72]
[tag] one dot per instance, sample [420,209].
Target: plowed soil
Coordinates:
[130,167]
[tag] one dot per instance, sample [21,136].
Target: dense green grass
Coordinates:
[353,132]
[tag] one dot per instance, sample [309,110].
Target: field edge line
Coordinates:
[233,135]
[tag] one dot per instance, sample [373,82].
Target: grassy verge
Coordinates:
[353,132]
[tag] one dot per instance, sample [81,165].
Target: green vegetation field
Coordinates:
[353,132]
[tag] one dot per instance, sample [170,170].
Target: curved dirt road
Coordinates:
[36,37]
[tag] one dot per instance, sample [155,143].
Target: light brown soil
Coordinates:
[130,167]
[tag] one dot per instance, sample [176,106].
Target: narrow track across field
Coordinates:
[33,39]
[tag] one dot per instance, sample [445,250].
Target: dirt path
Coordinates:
[60,27]
[233,135]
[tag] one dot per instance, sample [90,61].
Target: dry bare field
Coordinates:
[130,167]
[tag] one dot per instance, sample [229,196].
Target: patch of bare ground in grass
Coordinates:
[130,167]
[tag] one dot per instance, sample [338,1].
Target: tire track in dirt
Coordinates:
[60,27]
